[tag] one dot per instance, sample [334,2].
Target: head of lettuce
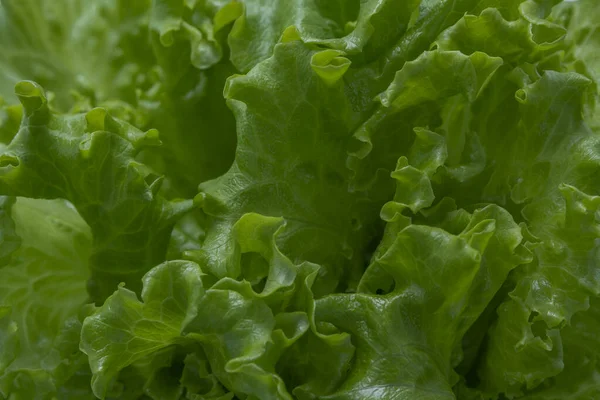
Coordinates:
[307,199]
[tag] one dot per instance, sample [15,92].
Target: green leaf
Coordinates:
[584,37]
[434,81]
[9,239]
[187,104]
[104,56]
[198,379]
[271,155]
[256,32]
[243,333]
[406,339]
[579,378]
[42,290]
[541,171]
[194,22]
[68,46]
[88,159]
[125,330]
[457,280]
[10,118]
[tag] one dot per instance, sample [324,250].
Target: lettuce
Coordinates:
[347,199]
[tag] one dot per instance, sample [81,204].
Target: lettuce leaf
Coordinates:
[49,246]
[358,199]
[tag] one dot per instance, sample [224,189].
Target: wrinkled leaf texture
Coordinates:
[312,199]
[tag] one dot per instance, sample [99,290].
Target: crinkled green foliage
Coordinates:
[347,199]
[42,292]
